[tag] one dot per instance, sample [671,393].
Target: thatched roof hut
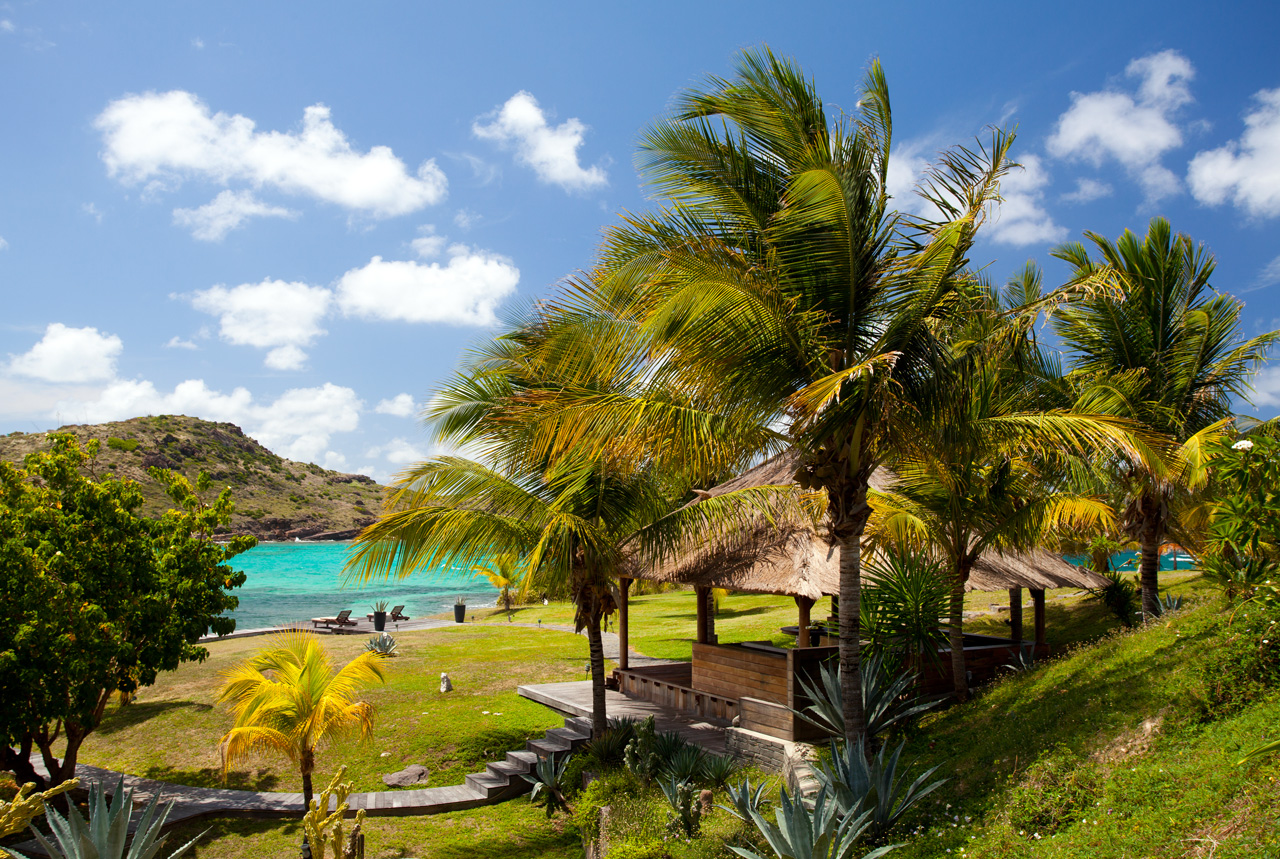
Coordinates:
[796,560]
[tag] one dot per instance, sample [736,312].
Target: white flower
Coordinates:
[1242,444]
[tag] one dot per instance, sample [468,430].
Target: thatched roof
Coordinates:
[795,560]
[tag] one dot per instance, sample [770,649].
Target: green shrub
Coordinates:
[631,850]
[1246,666]
[1052,793]
[128,445]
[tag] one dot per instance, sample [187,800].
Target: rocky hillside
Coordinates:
[276,498]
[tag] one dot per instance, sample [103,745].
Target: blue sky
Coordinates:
[297,216]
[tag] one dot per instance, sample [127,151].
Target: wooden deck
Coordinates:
[574,699]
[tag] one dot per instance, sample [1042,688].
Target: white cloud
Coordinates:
[92,211]
[398,451]
[1020,218]
[176,342]
[466,219]
[162,138]
[69,355]
[197,43]
[1266,387]
[298,424]
[428,244]
[1133,129]
[1269,275]
[551,152]
[7,26]
[1087,190]
[226,212]
[273,314]
[401,406]
[1245,172]
[4,245]
[465,291]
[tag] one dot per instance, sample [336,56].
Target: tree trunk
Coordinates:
[955,634]
[1150,565]
[307,761]
[850,547]
[19,763]
[599,721]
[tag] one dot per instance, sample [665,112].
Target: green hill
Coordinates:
[276,498]
[1127,747]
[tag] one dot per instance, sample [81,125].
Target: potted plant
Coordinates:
[459,609]
[380,615]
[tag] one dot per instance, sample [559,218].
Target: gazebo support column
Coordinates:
[1015,614]
[1037,597]
[805,605]
[702,594]
[624,586]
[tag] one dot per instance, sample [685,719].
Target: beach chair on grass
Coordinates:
[343,619]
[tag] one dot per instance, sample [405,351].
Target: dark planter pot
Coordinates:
[379,621]
[459,613]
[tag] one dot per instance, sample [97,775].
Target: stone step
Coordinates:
[525,758]
[569,735]
[510,770]
[487,784]
[548,746]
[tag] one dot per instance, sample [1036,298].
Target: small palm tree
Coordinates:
[504,573]
[289,698]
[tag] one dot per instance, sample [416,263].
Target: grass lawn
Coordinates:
[172,731]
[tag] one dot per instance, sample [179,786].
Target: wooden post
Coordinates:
[624,585]
[702,594]
[802,637]
[711,616]
[1037,597]
[1015,614]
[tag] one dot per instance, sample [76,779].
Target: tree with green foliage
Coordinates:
[289,698]
[780,282]
[1153,342]
[978,473]
[98,600]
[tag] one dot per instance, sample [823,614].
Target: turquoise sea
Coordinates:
[288,582]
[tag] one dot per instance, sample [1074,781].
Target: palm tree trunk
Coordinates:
[596,644]
[1150,566]
[851,638]
[307,761]
[955,633]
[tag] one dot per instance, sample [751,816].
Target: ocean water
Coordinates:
[1127,562]
[287,582]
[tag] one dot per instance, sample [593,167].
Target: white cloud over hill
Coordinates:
[69,355]
[464,291]
[273,314]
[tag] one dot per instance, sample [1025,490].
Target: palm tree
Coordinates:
[289,698]
[505,573]
[981,471]
[1153,342]
[779,281]
[575,516]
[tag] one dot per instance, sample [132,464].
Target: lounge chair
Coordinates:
[343,619]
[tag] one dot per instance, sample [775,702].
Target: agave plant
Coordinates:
[547,780]
[383,645]
[885,698]
[718,769]
[744,799]
[686,765]
[1022,661]
[1167,602]
[826,833]
[105,834]
[871,788]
